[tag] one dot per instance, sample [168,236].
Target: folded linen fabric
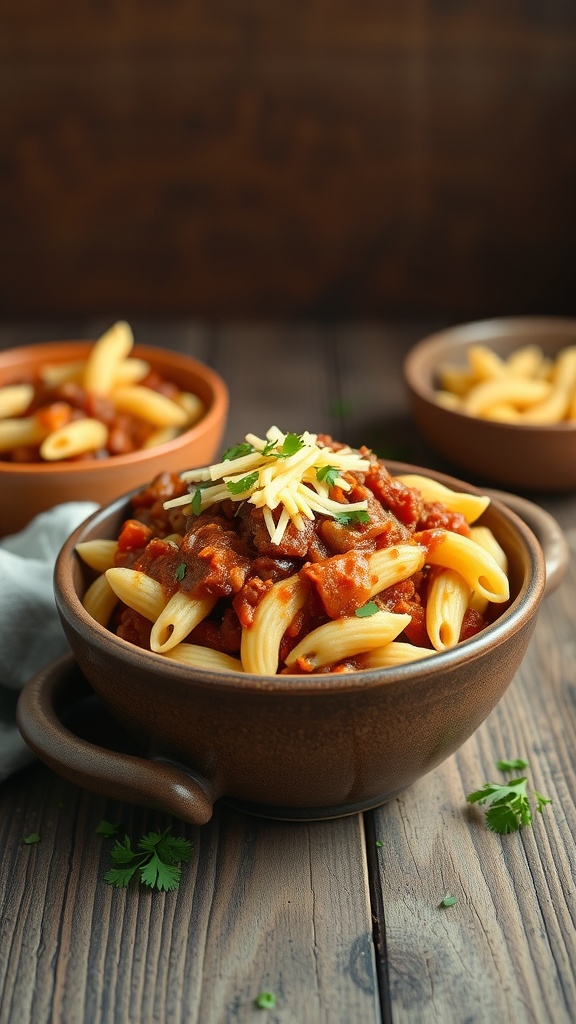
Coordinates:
[30,631]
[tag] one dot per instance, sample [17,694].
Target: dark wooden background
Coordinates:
[326,158]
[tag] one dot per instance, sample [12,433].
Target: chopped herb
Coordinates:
[156,860]
[370,608]
[292,443]
[328,473]
[508,806]
[379,842]
[448,900]
[265,1001]
[237,451]
[196,505]
[268,448]
[239,486]
[357,516]
[31,839]
[541,801]
[511,766]
[107,829]
[180,572]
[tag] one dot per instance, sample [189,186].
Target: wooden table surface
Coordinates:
[339,919]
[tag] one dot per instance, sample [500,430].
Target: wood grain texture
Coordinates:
[340,928]
[248,159]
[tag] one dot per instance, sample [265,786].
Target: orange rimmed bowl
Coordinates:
[30,488]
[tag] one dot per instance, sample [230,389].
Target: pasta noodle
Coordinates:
[109,403]
[525,388]
[297,555]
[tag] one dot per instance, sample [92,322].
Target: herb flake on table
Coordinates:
[32,839]
[448,900]
[265,1001]
[107,829]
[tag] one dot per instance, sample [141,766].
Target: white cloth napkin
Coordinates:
[30,630]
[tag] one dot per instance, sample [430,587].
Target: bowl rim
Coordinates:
[219,399]
[523,607]
[477,332]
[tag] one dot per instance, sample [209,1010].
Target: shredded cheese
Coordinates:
[276,475]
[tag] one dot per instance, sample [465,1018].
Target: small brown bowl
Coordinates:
[289,747]
[516,456]
[30,488]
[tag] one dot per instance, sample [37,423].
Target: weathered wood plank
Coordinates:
[507,949]
[262,906]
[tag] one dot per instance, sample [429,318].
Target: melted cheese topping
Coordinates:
[281,470]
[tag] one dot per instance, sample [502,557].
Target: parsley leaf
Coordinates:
[157,861]
[292,443]
[237,451]
[356,516]
[370,608]
[196,504]
[239,486]
[517,764]
[107,829]
[448,900]
[508,806]
[328,473]
[180,572]
[541,801]
[31,839]
[265,1001]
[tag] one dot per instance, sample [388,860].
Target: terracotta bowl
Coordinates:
[284,747]
[29,488]
[519,457]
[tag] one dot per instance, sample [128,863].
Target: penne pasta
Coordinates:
[260,644]
[203,657]
[15,399]
[476,565]
[21,432]
[446,603]
[75,438]
[100,600]
[98,554]
[177,619]
[392,565]
[471,506]
[102,365]
[397,652]
[345,638]
[138,591]
[483,536]
[149,405]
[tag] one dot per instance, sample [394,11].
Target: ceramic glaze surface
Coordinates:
[292,747]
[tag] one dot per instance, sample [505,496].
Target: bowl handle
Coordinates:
[547,531]
[160,785]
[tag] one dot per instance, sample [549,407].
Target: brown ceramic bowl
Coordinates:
[29,488]
[518,457]
[281,746]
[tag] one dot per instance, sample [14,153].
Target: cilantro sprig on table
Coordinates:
[155,861]
[508,804]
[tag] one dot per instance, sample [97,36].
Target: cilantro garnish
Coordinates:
[370,608]
[268,448]
[508,805]
[328,473]
[196,504]
[265,1001]
[292,443]
[239,486]
[357,516]
[31,839]
[180,572]
[237,451]
[156,860]
[448,900]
